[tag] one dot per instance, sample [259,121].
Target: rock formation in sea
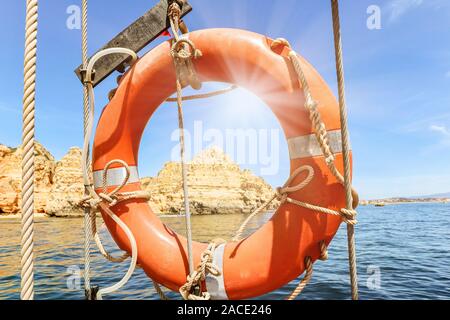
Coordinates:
[217,185]
[10,178]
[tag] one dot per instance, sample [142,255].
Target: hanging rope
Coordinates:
[204,95]
[304,282]
[159,291]
[106,200]
[182,51]
[308,272]
[92,201]
[345,145]
[27,237]
[89,216]
[205,267]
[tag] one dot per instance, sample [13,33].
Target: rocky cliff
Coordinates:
[216,184]
[10,178]
[67,188]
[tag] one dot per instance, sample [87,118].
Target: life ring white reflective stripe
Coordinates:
[115,177]
[299,148]
[216,285]
[308,146]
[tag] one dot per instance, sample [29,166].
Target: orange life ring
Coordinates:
[275,254]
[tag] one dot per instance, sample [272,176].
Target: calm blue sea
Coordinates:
[403,253]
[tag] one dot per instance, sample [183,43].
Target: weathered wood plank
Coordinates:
[135,37]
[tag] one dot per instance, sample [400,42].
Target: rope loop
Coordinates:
[288,189]
[282,193]
[180,51]
[105,176]
[114,197]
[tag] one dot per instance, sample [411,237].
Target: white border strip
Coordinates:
[216,285]
[308,146]
[115,177]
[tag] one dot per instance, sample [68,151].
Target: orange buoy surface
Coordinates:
[275,254]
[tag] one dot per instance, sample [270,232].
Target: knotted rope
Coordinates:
[322,133]
[195,279]
[183,51]
[282,195]
[29,93]
[320,129]
[115,196]
[347,214]
[308,272]
[105,200]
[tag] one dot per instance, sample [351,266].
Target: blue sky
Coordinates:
[398,82]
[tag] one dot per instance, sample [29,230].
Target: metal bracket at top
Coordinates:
[135,37]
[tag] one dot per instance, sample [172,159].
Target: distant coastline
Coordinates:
[395,201]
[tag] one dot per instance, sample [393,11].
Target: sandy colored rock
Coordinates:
[68,188]
[10,178]
[216,186]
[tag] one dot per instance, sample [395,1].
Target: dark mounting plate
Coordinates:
[135,37]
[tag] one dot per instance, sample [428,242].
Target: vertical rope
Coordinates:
[27,242]
[185,182]
[106,199]
[174,18]
[88,213]
[159,291]
[304,282]
[345,145]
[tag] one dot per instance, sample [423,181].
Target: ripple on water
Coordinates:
[408,246]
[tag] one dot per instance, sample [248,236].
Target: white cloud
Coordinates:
[398,8]
[440,129]
[444,140]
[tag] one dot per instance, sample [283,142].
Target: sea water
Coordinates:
[403,252]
